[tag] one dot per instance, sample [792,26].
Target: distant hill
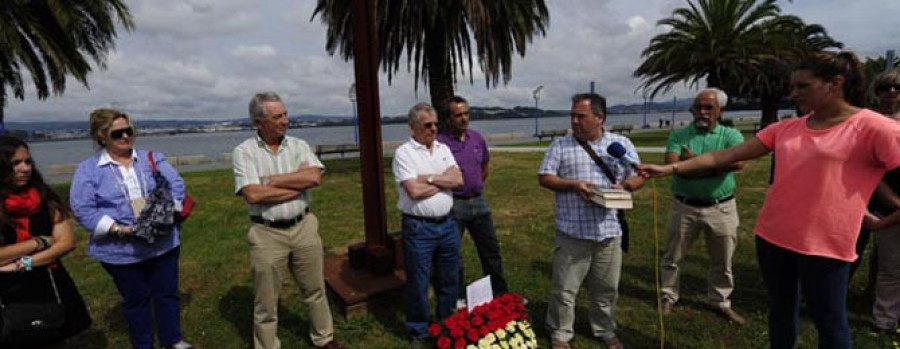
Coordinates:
[312,120]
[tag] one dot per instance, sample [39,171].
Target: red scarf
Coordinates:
[20,207]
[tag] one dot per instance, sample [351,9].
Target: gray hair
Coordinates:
[721,96]
[419,108]
[598,102]
[257,114]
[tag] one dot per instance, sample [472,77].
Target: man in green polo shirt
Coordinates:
[703,204]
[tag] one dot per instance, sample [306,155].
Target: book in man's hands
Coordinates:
[613,198]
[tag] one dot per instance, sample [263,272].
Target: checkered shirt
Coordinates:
[568,160]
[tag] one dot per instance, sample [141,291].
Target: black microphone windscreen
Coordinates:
[616,149]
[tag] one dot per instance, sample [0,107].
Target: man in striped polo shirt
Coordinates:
[273,172]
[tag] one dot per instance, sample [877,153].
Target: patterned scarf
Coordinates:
[20,206]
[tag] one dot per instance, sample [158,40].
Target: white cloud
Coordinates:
[254,52]
[204,58]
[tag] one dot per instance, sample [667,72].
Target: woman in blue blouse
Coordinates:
[108,192]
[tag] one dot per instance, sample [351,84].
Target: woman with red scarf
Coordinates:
[35,232]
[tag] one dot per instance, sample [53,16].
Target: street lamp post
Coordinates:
[352,94]
[537,96]
[645,125]
[674,108]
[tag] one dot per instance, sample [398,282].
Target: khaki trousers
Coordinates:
[718,224]
[577,261]
[274,252]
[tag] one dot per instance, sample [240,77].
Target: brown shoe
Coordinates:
[614,343]
[732,315]
[665,306]
[332,345]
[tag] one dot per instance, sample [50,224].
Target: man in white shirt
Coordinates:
[426,173]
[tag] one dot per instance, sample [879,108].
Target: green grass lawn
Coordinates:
[216,282]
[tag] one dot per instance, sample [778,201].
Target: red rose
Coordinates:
[483,331]
[460,344]
[443,343]
[477,321]
[472,336]
[456,332]
[434,330]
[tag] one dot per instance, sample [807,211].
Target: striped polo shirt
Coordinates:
[253,160]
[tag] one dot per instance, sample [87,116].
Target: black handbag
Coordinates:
[158,216]
[620,214]
[34,322]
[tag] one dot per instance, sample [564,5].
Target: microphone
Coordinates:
[618,151]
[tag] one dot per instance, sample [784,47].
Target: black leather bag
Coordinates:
[31,323]
[158,216]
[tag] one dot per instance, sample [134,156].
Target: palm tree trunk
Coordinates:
[769,106]
[440,73]
[712,80]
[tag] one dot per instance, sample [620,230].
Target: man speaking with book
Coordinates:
[703,204]
[588,243]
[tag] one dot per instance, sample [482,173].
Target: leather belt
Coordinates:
[279,223]
[466,197]
[439,219]
[703,203]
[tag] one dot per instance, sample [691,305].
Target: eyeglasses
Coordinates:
[430,124]
[122,132]
[703,107]
[884,88]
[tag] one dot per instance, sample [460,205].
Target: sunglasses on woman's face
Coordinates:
[885,88]
[122,132]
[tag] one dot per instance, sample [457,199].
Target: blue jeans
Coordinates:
[427,244]
[474,215]
[149,290]
[823,284]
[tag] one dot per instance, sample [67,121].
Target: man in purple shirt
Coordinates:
[470,209]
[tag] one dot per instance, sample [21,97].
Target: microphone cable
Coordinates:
[656,269]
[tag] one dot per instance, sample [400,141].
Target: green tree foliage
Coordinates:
[745,47]
[51,39]
[437,37]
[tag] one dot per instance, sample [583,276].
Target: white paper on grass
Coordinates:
[479,292]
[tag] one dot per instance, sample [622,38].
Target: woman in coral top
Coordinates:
[829,163]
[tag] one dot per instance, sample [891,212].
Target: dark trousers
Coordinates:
[474,215]
[427,245]
[823,284]
[149,292]
[861,243]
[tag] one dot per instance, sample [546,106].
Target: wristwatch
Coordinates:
[26,263]
[430,179]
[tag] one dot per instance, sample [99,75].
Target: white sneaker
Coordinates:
[182,344]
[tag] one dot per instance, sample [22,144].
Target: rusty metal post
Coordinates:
[365,54]
[374,267]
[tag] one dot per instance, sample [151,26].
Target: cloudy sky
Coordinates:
[203,59]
